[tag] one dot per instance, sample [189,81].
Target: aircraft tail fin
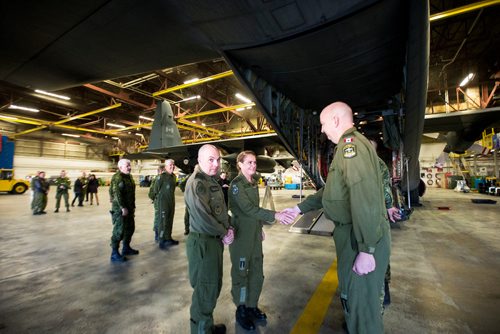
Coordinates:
[164,132]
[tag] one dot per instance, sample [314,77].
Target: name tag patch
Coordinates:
[349,151]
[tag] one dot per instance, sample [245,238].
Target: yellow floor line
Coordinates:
[311,319]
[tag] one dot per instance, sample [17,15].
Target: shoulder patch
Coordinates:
[235,189]
[349,151]
[200,188]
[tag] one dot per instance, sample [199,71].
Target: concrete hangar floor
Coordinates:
[56,277]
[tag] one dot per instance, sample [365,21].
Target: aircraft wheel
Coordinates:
[19,188]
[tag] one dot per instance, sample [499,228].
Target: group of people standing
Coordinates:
[353,198]
[83,187]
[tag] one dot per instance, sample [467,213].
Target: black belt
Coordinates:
[203,235]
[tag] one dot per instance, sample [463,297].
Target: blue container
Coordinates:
[291,186]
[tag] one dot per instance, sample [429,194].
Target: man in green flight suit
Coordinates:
[62,185]
[353,198]
[394,216]
[152,195]
[164,190]
[209,232]
[122,196]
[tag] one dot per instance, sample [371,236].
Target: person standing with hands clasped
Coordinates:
[209,232]
[353,198]
[247,272]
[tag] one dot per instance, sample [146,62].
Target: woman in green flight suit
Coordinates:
[246,251]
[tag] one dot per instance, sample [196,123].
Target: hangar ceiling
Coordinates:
[461,44]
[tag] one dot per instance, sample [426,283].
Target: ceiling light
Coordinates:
[243,98]
[193,122]
[203,124]
[196,97]
[8,117]
[62,97]
[466,80]
[240,109]
[147,118]
[116,125]
[139,134]
[13,106]
[191,80]
[115,138]
[70,135]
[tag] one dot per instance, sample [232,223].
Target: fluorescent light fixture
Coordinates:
[8,117]
[13,106]
[116,125]
[203,124]
[243,98]
[240,109]
[195,97]
[147,118]
[193,122]
[191,80]
[115,138]
[139,134]
[70,135]
[62,97]
[466,80]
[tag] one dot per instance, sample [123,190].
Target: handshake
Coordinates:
[285,217]
[288,215]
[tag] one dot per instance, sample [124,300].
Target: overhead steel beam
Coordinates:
[121,96]
[463,9]
[58,123]
[216,111]
[198,82]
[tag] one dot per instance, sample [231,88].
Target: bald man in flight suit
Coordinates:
[209,232]
[353,198]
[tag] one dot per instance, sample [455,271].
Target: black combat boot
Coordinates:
[257,313]
[67,209]
[165,243]
[127,250]
[243,318]
[156,235]
[387,294]
[116,256]
[56,210]
[219,329]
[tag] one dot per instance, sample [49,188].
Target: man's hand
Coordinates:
[393,214]
[124,212]
[229,237]
[288,215]
[364,264]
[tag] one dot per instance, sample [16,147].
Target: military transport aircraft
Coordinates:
[166,143]
[294,57]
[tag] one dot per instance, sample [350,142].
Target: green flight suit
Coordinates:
[388,204]
[353,197]
[164,189]
[62,186]
[40,191]
[247,272]
[209,222]
[122,194]
[152,195]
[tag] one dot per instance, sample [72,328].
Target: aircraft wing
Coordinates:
[462,128]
